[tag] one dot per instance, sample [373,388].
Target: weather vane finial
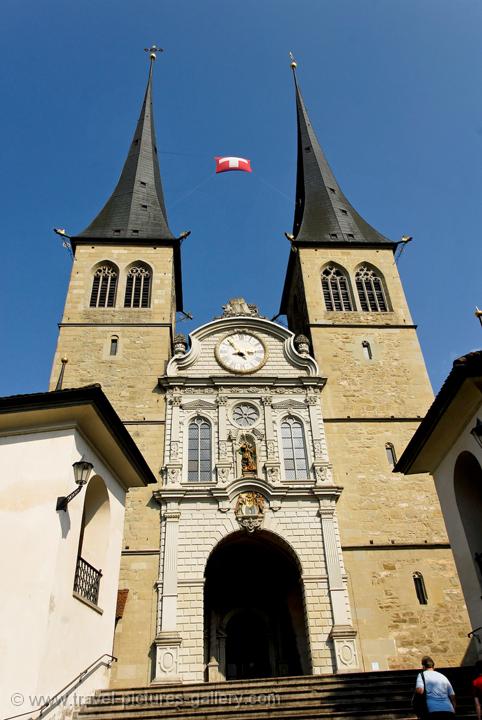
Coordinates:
[153,50]
[294,64]
[478,314]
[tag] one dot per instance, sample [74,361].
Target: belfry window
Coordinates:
[104,286]
[138,287]
[420,588]
[370,290]
[199,464]
[336,291]
[294,449]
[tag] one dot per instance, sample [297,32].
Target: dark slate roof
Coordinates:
[322,212]
[136,209]
[467,366]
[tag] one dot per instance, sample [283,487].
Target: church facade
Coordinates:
[277,541]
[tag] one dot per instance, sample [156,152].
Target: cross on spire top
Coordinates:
[153,50]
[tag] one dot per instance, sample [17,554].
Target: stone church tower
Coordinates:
[278,540]
[343,290]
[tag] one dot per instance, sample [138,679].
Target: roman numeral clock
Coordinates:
[241,353]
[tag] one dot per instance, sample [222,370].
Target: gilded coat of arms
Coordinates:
[249,510]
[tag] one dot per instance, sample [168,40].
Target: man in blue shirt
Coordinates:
[438,691]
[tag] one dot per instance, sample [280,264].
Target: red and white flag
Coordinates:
[224,164]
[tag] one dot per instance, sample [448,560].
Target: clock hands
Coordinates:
[236,348]
[241,353]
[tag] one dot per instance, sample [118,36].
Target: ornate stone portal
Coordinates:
[246,462]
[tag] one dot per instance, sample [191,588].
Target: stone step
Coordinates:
[268,684]
[286,680]
[298,713]
[364,696]
[301,707]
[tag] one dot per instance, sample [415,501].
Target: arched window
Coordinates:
[94,537]
[199,463]
[114,345]
[138,287]
[367,350]
[336,290]
[294,449]
[104,286]
[468,495]
[370,290]
[420,588]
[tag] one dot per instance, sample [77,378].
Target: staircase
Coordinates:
[364,696]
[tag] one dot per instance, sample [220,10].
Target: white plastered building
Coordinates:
[60,567]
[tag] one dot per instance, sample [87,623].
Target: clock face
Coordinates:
[245,415]
[241,353]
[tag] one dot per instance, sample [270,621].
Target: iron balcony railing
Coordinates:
[87,581]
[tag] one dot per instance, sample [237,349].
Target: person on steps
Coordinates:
[439,694]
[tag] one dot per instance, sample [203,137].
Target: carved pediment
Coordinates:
[289,405]
[198,405]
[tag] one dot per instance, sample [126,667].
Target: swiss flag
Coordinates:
[224,164]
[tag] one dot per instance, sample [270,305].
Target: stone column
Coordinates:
[224,465]
[222,427]
[313,402]
[342,634]
[168,639]
[322,469]
[173,466]
[272,465]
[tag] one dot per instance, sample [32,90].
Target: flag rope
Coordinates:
[190,192]
[266,182]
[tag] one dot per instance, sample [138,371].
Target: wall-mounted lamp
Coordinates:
[476,432]
[82,470]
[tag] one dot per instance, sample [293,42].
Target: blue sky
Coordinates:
[393,88]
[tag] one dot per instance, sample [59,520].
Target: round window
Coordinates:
[245,415]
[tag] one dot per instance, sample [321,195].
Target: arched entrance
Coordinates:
[468,493]
[254,611]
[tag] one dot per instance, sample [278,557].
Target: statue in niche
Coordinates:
[247,450]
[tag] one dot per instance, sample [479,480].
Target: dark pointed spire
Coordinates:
[136,208]
[322,212]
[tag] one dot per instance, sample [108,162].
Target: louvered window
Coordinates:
[199,463]
[104,287]
[370,290]
[138,287]
[336,291]
[294,449]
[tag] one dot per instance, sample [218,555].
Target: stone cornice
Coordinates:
[219,493]
[231,383]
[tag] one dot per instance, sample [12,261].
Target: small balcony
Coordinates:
[87,581]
